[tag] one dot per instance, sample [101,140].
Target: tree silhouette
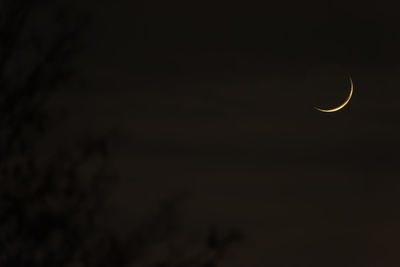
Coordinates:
[50,205]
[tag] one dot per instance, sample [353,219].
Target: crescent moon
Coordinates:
[342,105]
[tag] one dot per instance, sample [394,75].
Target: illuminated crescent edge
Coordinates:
[342,105]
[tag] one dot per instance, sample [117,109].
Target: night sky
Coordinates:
[215,99]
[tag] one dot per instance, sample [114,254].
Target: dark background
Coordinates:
[215,99]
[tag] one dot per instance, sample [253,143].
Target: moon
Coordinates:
[342,105]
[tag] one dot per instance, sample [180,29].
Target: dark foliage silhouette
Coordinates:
[50,205]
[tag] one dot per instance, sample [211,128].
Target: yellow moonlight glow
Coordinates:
[342,105]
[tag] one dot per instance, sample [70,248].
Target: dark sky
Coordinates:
[215,97]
